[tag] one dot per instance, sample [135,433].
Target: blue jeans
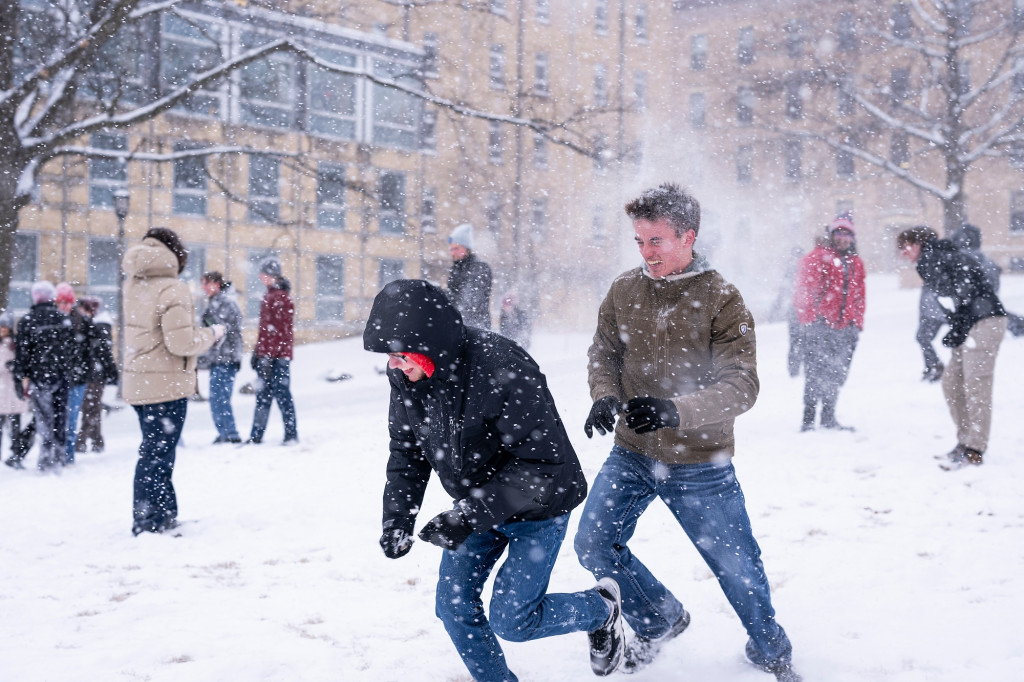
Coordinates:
[707,502]
[155,506]
[274,383]
[520,608]
[222,384]
[75,397]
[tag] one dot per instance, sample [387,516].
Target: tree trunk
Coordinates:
[8,226]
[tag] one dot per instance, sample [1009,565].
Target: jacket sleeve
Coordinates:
[859,294]
[806,288]
[177,322]
[734,384]
[604,370]
[408,471]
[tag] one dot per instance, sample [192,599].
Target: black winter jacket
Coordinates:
[469,289]
[102,367]
[949,272]
[485,421]
[45,345]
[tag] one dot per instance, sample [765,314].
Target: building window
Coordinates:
[392,202]
[495,143]
[794,96]
[492,212]
[795,40]
[189,196]
[1018,14]
[540,74]
[640,23]
[188,48]
[899,149]
[601,154]
[396,115]
[899,86]
[540,151]
[1018,76]
[104,272]
[744,164]
[543,9]
[847,32]
[538,219]
[195,266]
[745,46]
[1017,211]
[24,264]
[844,163]
[1017,156]
[431,55]
[698,52]
[698,110]
[745,105]
[845,100]
[600,85]
[963,77]
[793,154]
[330,196]
[428,210]
[428,130]
[267,87]
[640,90]
[332,97]
[106,176]
[497,67]
[389,270]
[330,289]
[264,189]
[254,288]
[497,7]
[901,21]
[601,17]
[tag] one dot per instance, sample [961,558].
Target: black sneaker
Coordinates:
[781,667]
[642,651]
[608,641]
[14,463]
[953,455]
[969,457]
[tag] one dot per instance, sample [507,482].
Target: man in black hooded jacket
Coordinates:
[475,408]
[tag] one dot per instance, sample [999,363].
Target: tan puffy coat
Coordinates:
[688,338]
[161,340]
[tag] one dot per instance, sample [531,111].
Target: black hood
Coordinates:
[414,316]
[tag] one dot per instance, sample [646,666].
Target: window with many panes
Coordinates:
[431,55]
[396,115]
[792,150]
[744,163]
[496,71]
[601,17]
[391,215]
[794,39]
[267,87]
[264,189]
[698,110]
[540,74]
[745,105]
[389,270]
[428,129]
[106,176]
[104,272]
[540,151]
[600,85]
[640,23]
[899,148]
[543,11]
[492,212]
[330,196]
[901,21]
[195,266]
[794,96]
[190,181]
[640,90]
[847,32]
[24,264]
[745,45]
[331,97]
[844,163]
[497,7]
[189,45]
[538,219]
[699,52]
[899,86]
[330,289]
[1018,76]
[428,210]
[495,143]
[845,101]
[1017,211]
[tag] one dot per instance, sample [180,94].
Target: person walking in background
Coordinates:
[12,405]
[102,372]
[977,324]
[514,322]
[829,296]
[968,240]
[224,359]
[475,408]
[469,280]
[79,364]
[273,355]
[674,353]
[44,362]
[161,344]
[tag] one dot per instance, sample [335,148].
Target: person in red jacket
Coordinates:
[829,298]
[272,356]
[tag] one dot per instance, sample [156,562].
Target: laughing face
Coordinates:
[664,253]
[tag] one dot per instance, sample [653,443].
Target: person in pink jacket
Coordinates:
[829,298]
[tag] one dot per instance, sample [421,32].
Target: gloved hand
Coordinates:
[647,414]
[447,530]
[254,361]
[602,416]
[933,372]
[396,542]
[218,331]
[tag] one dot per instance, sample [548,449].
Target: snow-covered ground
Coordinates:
[883,567]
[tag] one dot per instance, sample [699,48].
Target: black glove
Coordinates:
[933,371]
[447,530]
[644,415]
[602,416]
[19,389]
[396,542]
[254,361]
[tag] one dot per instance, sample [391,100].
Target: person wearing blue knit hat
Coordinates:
[469,280]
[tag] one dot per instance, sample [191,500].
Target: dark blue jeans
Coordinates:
[156,506]
[521,610]
[222,384]
[274,383]
[75,396]
[708,503]
[50,408]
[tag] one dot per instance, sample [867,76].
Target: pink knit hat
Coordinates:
[842,222]
[65,293]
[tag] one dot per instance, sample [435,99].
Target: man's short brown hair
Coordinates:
[918,234]
[668,201]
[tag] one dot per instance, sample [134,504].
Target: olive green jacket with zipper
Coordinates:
[161,339]
[688,338]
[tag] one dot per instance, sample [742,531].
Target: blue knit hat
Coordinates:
[462,235]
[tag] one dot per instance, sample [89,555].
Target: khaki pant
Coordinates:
[967,382]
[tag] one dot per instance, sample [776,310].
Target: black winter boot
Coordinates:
[808,423]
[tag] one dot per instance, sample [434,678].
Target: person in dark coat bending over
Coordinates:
[475,408]
[469,280]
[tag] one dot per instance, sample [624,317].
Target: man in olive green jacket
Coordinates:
[161,344]
[674,352]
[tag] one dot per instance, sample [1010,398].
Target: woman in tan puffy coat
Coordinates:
[159,372]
